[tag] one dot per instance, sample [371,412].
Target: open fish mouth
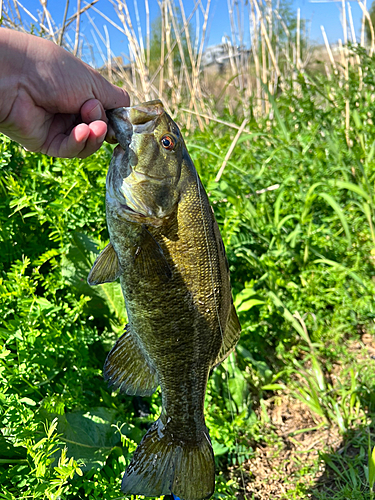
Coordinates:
[123,122]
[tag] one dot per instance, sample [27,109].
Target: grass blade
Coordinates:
[336,207]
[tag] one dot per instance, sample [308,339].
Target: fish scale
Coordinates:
[166,248]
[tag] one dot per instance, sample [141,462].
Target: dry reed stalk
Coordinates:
[328,71]
[98,45]
[230,150]
[148,32]
[78,22]
[196,33]
[162,62]
[265,101]
[8,16]
[109,54]
[134,47]
[138,51]
[328,47]
[298,41]
[194,65]
[277,49]
[363,26]
[287,50]
[217,120]
[195,61]
[367,15]
[241,56]
[232,58]
[167,27]
[43,26]
[347,108]
[185,69]
[82,11]
[161,66]
[264,59]
[140,36]
[353,39]
[61,35]
[345,55]
[269,46]
[183,62]
[203,37]
[255,48]
[119,71]
[16,7]
[47,16]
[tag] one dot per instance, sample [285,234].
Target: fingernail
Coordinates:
[95,113]
[100,138]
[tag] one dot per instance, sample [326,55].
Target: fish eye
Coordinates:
[167,142]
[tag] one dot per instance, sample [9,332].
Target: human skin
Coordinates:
[51,101]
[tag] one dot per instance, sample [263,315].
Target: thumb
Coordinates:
[110,95]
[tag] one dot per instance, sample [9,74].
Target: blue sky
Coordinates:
[317,13]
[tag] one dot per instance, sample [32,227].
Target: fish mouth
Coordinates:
[140,119]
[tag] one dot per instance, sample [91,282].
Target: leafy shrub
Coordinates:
[307,245]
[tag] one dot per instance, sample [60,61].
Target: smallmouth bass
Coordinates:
[166,248]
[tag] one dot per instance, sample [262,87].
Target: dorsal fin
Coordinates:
[106,268]
[232,334]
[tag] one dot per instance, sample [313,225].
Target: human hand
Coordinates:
[50,101]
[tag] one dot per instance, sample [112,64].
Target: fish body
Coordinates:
[166,248]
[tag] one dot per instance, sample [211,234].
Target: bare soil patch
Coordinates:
[292,461]
[293,458]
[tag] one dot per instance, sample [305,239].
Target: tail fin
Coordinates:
[163,465]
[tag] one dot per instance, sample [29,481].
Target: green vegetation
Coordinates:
[296,207]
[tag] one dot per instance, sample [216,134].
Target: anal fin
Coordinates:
[232,335]
[127,369]
[106,268]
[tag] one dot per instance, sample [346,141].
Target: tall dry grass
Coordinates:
[276,53]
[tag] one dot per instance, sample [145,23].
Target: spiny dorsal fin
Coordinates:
[126,367]
[149,258]
[232,334]
[106,268]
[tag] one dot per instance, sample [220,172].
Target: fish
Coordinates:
[166,249]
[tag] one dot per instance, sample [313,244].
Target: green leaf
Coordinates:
[248,304]
[336,207]
[354,188]
[288,316]
[371,467]
[278,117]
[106,300]
[89,435]
[219,449]
[274,387]
[28,401]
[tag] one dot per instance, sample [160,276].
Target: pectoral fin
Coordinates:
[106,268]
[232,334]
[149,258]
[126,367]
